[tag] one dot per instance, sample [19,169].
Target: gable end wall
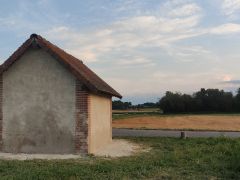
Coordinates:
[38,105]
[90,115]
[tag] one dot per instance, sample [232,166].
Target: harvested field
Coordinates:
[189,122]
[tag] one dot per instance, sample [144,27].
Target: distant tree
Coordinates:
[205,100]
[200,101]
[172,102]
[189,103]
[146,105]
[237,101]
[121,105]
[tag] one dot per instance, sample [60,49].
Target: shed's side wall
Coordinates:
[100,122]
[38,105]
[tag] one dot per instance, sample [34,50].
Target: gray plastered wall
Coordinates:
[38,105]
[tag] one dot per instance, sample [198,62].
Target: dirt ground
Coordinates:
[118,148]
[198,122]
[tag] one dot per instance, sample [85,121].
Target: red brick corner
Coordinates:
[82,115]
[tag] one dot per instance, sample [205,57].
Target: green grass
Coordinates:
[169,158]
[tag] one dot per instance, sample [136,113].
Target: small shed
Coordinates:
[50,102]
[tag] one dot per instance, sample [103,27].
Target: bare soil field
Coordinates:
[188,122]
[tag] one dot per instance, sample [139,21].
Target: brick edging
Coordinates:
[82,115]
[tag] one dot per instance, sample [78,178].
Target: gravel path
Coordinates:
[171,133]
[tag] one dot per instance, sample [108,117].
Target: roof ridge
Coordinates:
[40,37]
[76,60]
[76,66]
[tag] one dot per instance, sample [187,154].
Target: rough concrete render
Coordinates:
[50,102]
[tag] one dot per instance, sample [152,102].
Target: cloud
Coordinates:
[7,22]
[232,82]
[185,10]
[227,78]
[228,28]
[231,8]
[129,35]
[229,82]
[190,53]
[135,61]
[144,44]
[125,43]
[159,81]
[29,16]
[132,33]
[143,47]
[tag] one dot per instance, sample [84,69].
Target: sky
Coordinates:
[142,48]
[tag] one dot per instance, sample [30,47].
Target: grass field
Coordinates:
[169,158]
[228,122]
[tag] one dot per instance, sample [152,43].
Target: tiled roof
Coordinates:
[92,81]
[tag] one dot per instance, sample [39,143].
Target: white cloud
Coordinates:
[122,35]
[231,7]
[185,10]
[227,77]
[7,22]
[228,28]
[135,61]
[159,82]
[125,43]
[190,53]
[140,40]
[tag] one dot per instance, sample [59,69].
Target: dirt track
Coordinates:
[200,122]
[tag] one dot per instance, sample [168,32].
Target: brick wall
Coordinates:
[1,114]
[82,116]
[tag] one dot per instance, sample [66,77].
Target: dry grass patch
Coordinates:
[195,122]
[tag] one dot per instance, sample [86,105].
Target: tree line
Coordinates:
[203,101]
[119,105]
[128,105]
